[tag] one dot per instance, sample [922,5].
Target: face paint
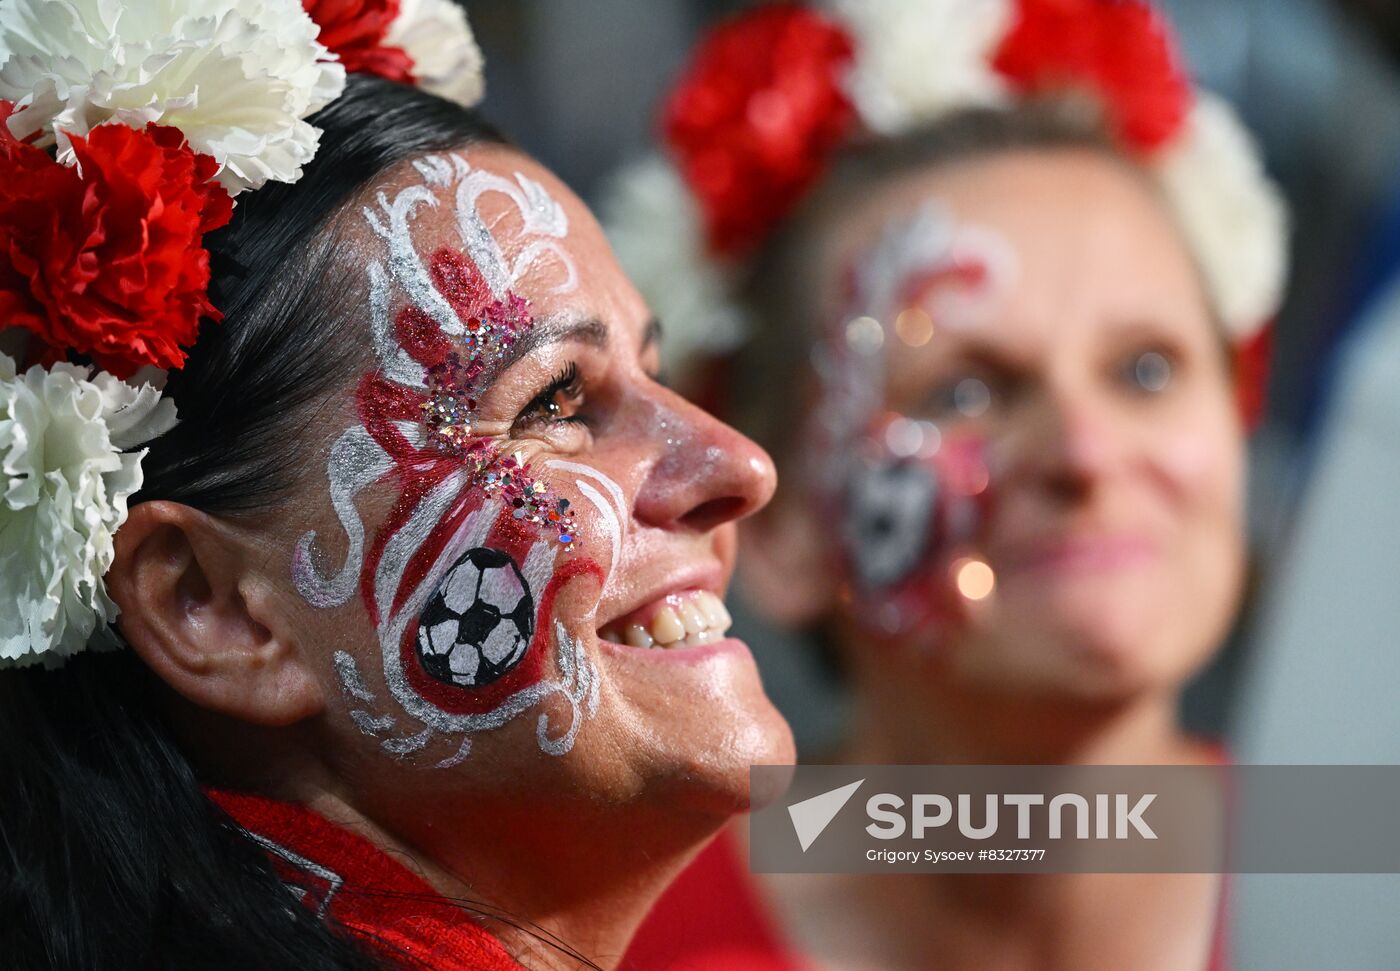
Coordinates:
[612,509]
[904,497]
[478,622]
[460,578]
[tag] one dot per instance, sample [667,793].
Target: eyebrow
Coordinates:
[590,331]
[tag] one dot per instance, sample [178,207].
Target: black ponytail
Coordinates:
[111,859]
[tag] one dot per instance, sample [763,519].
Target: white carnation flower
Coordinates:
[1231,213]
[656,231]
[446,59]
[65,477]
[916,59]
[237,77]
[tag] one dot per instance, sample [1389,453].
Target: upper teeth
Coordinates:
[696,618]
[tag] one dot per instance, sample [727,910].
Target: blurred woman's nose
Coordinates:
[1064,445]
[705,474]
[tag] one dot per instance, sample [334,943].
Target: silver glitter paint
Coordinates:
[541,215]
[393,359]
[435,170]
[580,690]
[393,562]
[371,724]
[408,745]
[413,432]
[356,461]
[610,523]
[459,756]
[349,671]
[407,269]
[614,513]
[612,487]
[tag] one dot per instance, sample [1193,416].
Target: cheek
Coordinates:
[1198,465]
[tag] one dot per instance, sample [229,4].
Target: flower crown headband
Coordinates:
[126,129]
[770,96]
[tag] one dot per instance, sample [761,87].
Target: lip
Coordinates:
[726,647]
[643,608]
[1079,554]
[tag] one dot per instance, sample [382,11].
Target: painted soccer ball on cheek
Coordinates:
[478,621]
[889,520]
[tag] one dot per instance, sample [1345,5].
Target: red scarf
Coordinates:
[391,912]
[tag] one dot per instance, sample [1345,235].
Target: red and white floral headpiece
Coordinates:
[769,97]
[126,129]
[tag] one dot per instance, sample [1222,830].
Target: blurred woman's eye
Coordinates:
[972,397]
[1148,372]
[559,404]
[965,396]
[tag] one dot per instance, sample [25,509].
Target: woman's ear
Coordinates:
[785,565]
[197,611]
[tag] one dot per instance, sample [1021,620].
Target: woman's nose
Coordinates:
[1066,445]
[704,474]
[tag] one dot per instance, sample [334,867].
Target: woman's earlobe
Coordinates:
[196,613]
[784,568]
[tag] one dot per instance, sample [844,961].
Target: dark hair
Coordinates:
[110,855]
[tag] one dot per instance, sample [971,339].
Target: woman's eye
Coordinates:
[560,402]
[1149,372]
[964,397]
[972,397]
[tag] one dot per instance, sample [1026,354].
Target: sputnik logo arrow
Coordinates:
[811,816]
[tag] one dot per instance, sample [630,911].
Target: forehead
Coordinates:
[1093,245]
[523,228]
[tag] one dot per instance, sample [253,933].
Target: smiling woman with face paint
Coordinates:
[421,660]
[998,283]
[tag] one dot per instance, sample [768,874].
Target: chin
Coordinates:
[710,774]
[1107,662]
[698,719]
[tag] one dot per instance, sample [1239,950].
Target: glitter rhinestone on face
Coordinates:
[454,384]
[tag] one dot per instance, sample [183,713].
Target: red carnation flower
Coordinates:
[1119,49]
[355,30]
[106,258]
[755,118]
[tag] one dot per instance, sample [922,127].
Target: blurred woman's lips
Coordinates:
[1089,553]
[681,619]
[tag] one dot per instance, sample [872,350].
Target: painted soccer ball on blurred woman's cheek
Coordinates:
[911,502]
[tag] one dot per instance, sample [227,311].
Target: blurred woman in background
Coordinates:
[999,277]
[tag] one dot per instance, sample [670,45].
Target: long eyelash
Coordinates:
[568,381]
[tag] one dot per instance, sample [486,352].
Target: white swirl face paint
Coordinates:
[460,579]
[612,510]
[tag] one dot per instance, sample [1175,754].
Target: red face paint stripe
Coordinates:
[421,563]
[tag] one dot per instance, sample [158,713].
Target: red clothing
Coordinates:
[711,919]
[393,913]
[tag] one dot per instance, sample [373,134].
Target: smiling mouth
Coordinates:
[678,620]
